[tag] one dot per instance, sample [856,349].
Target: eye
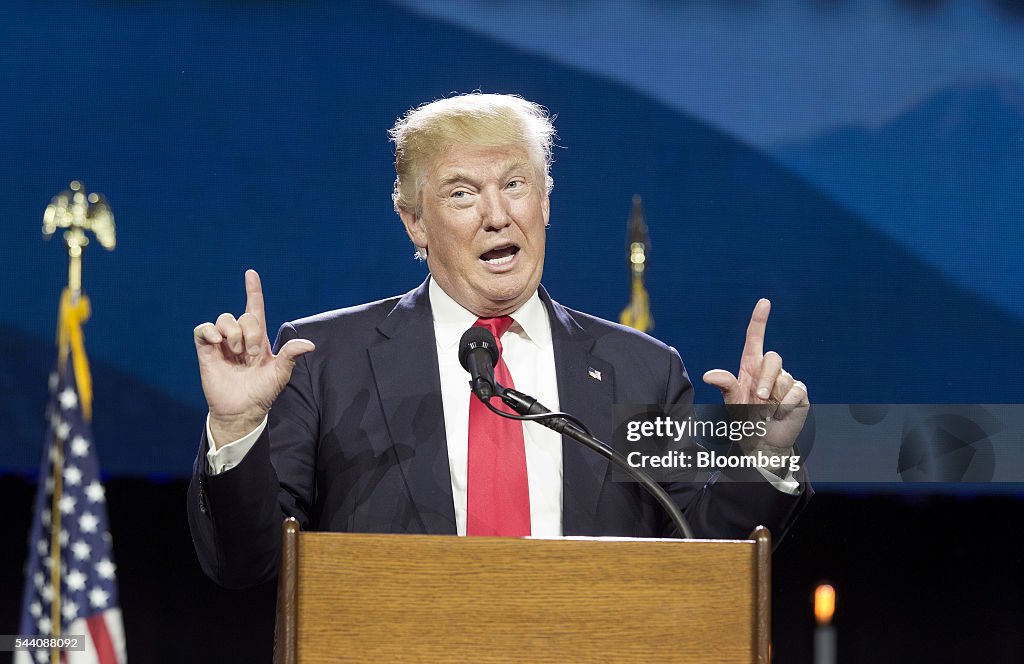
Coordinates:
[516,184]
[460,197]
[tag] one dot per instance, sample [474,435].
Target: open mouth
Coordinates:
[500,256]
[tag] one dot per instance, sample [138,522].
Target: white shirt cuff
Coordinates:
[787,484]
[228,456]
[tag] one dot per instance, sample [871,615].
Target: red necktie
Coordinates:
[498,495]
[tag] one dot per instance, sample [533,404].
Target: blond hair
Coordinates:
[425,132]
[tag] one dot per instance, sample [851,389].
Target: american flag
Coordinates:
[86,586]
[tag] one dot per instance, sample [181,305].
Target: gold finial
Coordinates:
[639,244]
[78,212]
[637,313]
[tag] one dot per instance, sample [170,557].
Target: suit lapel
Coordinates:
[408,385]
[586,389]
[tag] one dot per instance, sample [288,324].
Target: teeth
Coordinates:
[499,261]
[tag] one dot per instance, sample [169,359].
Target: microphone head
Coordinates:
[474,338]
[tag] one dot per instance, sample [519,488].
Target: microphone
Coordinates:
[478,353]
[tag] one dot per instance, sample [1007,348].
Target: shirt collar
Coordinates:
[451,319]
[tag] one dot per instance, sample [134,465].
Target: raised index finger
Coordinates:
[254,298]
[753,347]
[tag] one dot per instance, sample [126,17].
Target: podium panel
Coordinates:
[404,598]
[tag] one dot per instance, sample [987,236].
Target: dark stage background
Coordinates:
[920,578]
[859,162]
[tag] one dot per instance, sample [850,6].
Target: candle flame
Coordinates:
[824,603]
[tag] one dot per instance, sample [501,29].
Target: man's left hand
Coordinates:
[763,382]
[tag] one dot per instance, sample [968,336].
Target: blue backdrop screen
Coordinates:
[858,163]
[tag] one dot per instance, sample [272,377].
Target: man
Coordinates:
[372,427]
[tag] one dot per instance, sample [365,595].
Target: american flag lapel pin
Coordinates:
[593,373]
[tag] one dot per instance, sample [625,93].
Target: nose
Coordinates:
[494,213]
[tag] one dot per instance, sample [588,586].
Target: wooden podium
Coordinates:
[420,598]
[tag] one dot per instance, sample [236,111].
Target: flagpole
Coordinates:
[77,212]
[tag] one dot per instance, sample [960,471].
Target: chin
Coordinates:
[499,303]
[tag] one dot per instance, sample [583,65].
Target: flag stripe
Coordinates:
[101,639]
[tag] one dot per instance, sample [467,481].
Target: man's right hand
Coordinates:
[241,375]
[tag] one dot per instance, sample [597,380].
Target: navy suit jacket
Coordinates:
[356,442]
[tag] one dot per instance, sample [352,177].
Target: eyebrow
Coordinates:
[506,167]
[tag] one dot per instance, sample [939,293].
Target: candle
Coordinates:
[824,633]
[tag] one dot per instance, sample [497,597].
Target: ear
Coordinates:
[545,206]
[414,227]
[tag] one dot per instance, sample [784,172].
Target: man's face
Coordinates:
[483,211]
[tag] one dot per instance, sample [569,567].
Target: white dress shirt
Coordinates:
[529,354]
